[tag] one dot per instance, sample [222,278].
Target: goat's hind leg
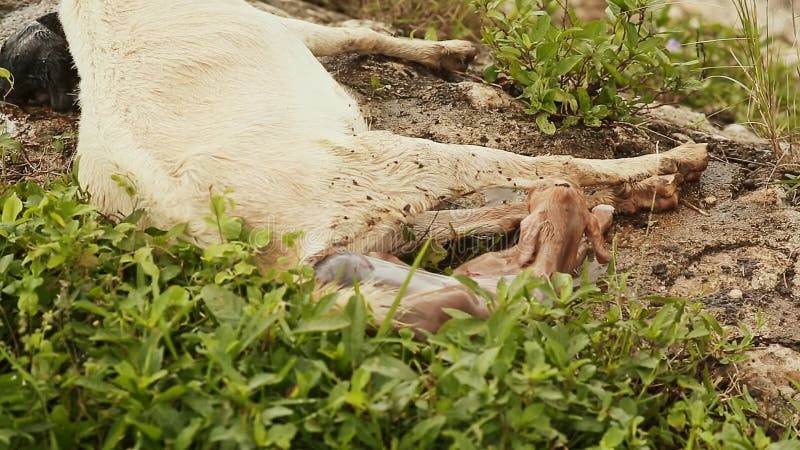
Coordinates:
[409,176]
[453,55]
[449,170]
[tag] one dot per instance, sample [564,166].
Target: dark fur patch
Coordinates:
[38,57]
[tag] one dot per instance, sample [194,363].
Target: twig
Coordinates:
[694,208]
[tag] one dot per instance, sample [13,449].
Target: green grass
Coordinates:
[117,338]
[745,79]
[771,84]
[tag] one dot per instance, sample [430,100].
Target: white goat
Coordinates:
[183,98]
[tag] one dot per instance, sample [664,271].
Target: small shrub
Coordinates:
[6,82]
[575,71]
[9,151]
[117,338]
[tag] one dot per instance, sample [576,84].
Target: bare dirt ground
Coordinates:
[734,241]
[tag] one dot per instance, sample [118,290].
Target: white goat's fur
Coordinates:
[184,98]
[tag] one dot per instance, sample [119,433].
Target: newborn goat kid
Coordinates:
[183,99]
[551,237]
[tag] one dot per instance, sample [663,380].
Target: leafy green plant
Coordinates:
[770,93]
[6,78]
[9,150]
[582,71]
[744,74]
[116,338]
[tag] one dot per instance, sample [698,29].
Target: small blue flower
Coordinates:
[673,45]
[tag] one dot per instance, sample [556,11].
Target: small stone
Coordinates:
[660,269]
[482,96]
[752,166]
[735,294]
[710,200]
[682,138]
[749,183]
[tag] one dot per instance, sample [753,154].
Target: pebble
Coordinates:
[735,294]
[749,184]
[660,269]
[710,200]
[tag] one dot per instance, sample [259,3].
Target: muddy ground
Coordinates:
[734,241]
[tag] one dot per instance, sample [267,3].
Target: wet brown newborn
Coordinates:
[551,236]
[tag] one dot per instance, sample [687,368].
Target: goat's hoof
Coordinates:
[452,56]
[658,193]
[688,160]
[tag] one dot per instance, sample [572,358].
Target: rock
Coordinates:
[660,269]
[710,200]
[735,294]
[682,117]
[484,96]
[741,133]
[682,138]
[768,374]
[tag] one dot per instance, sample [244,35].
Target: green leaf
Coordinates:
[115,434]
[424,433]
[353,337]
[566,64]
[186,436]
[261,238]
[5,262]
[11,209]
[5,74]
[321,324]
[226,306]
[490,73]
[677,420]
[173,296]
[390,367]
[544,124]
[275,412]
[281,435]
[612,438]
[540,28]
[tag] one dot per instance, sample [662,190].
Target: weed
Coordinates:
[745,74]
[7,81]
[9,150]
[769,91]
[116,338]
[581,71]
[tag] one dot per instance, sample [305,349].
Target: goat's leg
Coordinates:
[450,55]
[604,214]
[657,193]
[408,176]
[447,225]
[437,171]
